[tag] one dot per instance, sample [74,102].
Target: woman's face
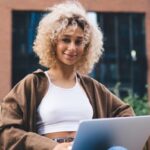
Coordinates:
[70,46]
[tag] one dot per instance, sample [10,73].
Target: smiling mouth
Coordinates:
[70,55]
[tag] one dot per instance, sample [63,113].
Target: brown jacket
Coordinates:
[18,111]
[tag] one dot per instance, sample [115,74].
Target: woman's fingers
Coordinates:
[63,146]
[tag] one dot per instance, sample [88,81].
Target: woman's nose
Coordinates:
[72,46]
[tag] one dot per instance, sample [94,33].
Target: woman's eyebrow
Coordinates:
[80,37]
[67,35]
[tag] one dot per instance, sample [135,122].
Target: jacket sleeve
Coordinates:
[121,109]
[117,107]
[14,134]
[105,104]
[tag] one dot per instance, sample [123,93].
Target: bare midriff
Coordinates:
[61,134]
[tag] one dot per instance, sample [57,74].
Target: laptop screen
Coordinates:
[128,132]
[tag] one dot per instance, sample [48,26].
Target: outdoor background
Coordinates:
[125,65]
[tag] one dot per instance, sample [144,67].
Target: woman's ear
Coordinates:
[86,48]
[53,52]
[53,48]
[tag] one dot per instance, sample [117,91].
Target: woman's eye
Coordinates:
[79,42]
[66,40]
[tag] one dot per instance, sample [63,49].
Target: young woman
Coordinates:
[42,112]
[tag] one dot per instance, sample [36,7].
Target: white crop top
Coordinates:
[61,109]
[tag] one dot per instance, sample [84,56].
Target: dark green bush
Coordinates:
[140,105]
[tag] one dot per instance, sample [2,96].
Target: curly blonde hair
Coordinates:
[58,18]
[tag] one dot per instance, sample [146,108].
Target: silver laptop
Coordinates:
[101,134]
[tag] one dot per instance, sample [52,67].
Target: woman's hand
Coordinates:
[63,146]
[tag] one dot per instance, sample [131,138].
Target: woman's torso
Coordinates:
[67,107]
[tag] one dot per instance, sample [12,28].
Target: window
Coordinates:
[124,33]
[24,60]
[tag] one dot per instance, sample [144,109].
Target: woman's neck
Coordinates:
[63,72]
[63,77]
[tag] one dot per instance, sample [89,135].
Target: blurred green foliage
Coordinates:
[140,105]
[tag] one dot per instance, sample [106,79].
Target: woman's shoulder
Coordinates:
[33,78]
[92,84]
[90,80]
[37,74]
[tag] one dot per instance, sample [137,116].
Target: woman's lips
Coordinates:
[71,56]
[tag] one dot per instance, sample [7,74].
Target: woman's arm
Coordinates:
[15,119]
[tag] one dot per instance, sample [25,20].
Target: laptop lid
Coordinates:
[128,132]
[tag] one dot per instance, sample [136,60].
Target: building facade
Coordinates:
[126,26]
